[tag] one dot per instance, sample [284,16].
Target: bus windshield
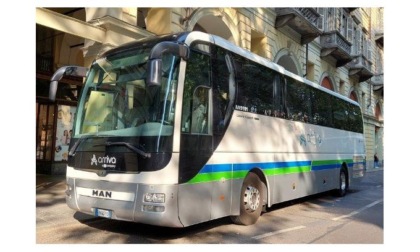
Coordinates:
[116,100]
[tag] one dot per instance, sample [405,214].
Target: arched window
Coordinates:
[326,83]
[353,96]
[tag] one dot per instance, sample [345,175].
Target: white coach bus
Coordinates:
[185,128]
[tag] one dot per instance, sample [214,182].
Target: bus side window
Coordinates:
[255,87]
[298,101]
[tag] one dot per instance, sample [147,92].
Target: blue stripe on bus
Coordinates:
[216,168]
[325,167]
[248,166]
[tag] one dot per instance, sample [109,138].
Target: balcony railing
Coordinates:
[335,45]
[305,21]
[44,64]
[360,66]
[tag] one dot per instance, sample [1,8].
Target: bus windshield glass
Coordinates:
[116,100]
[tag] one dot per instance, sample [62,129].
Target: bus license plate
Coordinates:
[103,213]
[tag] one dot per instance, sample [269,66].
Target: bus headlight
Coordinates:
[69,190]
[154,197]
[150,208]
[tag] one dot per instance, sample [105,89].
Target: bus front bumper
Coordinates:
[148,204]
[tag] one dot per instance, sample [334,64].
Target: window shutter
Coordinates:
[330,19]
[321,19]
[370,52]
[350,29]
[337,18]
[358,41]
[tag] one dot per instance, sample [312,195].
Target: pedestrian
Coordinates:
[376,160]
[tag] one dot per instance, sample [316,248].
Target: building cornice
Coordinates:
[69,25]
[105,30]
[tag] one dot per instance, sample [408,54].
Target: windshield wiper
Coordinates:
[129,146]
[73,149]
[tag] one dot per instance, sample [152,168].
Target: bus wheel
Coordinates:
[251,201]
[343,186]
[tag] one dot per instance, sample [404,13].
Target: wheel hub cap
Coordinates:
[251,198]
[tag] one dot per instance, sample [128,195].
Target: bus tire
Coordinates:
[251,201]
[343,184]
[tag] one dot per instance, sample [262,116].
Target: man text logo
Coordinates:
[102,194]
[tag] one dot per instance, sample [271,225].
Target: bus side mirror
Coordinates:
[58,75]
[154,66]
[53,90]
[154,72]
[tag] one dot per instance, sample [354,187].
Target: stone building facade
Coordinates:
[339,48]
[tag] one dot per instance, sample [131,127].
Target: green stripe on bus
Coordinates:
[216,176]
[286,170]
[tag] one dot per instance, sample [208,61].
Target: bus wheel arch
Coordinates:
[253,198]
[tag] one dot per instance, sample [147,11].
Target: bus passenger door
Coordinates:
[196,150]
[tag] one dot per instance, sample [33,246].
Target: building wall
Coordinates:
[250,28]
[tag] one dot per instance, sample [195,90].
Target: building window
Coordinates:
[326,83]
[44,128]
[258,43]
[44,49]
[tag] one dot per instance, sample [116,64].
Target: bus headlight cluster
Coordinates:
[154,197]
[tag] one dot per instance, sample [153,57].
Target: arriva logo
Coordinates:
[105,161]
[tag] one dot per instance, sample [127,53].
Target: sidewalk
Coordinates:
[44,181]
[379,168]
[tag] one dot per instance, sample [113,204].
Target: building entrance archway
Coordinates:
[287,62]
[213,21]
